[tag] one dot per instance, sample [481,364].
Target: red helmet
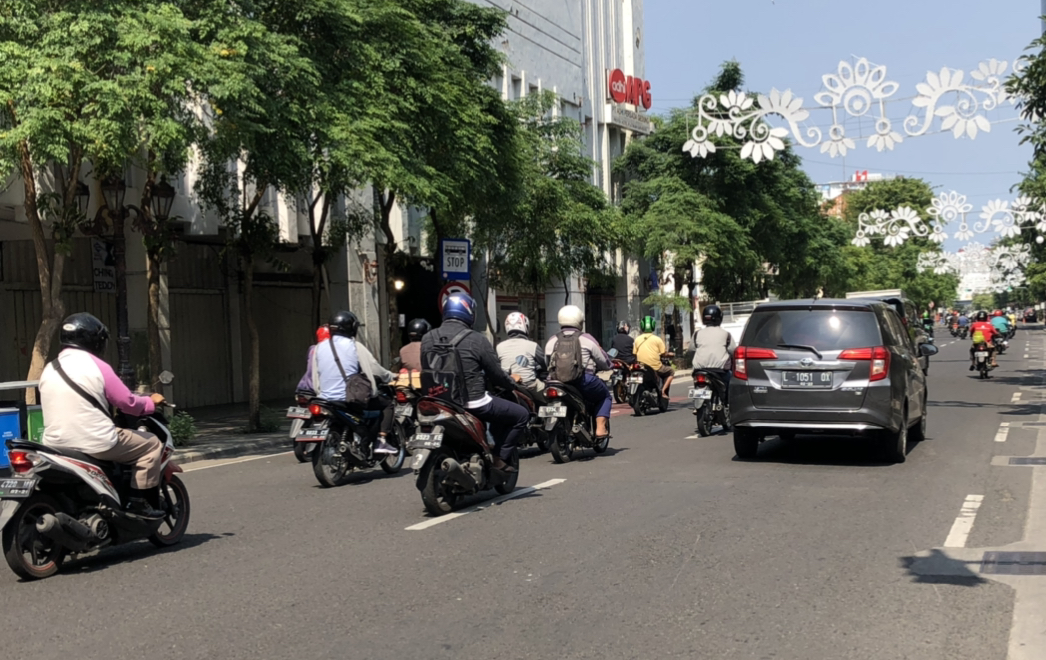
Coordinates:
[997,312]
[323,333]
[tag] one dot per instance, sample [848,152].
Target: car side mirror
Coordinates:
[928,350]
[613,353]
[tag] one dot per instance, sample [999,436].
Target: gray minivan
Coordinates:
[837,367]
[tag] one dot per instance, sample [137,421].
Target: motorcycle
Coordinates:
[406,420]
[708,394]
[536,435]
[452,457]
[343,435]
[569,425]
[644,389]
[964,331]
[619,379]
[61,504]
[1000,344]
[955,329]
[301,417]
[980,355]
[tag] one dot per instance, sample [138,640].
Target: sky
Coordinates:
[791,44]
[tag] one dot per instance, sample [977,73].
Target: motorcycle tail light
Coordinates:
[22,461]
[553,393]
[315,410]
[701,379]
[400,397]
[428,408]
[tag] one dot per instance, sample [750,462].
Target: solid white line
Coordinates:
[485,505]
[1016,397]
[242,460]
[1004,430]
[964,522]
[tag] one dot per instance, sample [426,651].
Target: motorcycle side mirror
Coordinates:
[928,350]
[613,353]
[166,377]
[523,360]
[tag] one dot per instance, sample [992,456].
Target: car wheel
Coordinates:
[746,443]
[896,444]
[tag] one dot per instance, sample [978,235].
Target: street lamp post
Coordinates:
[114,189]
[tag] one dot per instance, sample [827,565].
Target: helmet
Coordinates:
[344,323]
[647,324]
[517,322]
[417,329]
[712,315]
[323,333]
[624,327]
[85,332]
[982,315]
[997,312]
[460,306]
[571,316]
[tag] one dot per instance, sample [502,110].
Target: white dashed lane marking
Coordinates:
[1016,397]
[964,522]
[1004,430]
[485,505]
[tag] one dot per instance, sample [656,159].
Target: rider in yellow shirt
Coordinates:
[649,348]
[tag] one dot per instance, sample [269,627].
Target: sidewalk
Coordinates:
[219,434]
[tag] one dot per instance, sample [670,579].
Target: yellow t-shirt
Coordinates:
[649,348]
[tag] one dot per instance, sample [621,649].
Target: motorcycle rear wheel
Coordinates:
[638,403]
[704,421]
[327,474]
[621,393]
[176,505]
[303,451]
[562,445]
[437,500]
[29,554]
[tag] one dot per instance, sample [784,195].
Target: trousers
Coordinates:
[596,393]
[141,449]
[507,421]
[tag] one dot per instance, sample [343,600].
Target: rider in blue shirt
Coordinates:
[1001,323]
[963,320]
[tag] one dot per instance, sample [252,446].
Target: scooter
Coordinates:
[644,389]
[980,356]
[301,416]
[709,394]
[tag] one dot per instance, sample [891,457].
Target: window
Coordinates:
[825,329]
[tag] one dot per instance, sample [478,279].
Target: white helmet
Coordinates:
[517,322]
[571,316]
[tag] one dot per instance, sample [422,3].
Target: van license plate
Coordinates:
[807,380]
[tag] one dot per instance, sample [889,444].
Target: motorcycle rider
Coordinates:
[593,359]
[479,364]
[1001,323]
[982,330]
[410,355]
[77,388]
[649,349]
[624,343]
[928,323]
[713,346]
[517,327]
[331,373]
[323,333]
[1011,316]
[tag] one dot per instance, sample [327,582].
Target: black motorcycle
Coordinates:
[569,425]
[964,331]
[644,390]
[1000,344]
[405,420]
[344,436]
[980,356]
[709,394]
[453,458]
[619,380]
[536,435]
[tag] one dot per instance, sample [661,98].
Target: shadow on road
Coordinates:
[827,451]
[131,552]
[939,568]
[363,477]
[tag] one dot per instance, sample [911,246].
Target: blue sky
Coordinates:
[791,44]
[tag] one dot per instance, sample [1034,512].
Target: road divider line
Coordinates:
[233,461]
[485,505]
[964,522]
[1004,430]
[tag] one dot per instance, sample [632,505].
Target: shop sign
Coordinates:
[104,266]
[630,120]
[629,89]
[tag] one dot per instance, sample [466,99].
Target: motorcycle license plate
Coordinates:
[552,411]
[312,435]
[17,488]
[981,354]
[404,410]
[426,441]
[636,378]
[298,413]
[702,393]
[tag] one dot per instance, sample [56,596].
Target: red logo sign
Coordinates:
[629,89]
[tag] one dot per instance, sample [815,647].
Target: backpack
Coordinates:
[442,376]
[567,363]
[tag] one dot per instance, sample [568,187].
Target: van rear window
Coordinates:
[824,329]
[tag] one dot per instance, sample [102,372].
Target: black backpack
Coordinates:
[442,376]
[567,363]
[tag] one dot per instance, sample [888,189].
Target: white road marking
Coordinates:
[1016,397]
[964,522]
[1025,356]
[485,505]
[234,462]
[1004,430]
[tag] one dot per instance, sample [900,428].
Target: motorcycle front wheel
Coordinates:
[175,506]
[437,499]
[31,555]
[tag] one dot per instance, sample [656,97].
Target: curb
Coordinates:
[232,450]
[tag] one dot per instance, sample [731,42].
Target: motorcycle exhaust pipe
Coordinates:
[458,475]
[64,530]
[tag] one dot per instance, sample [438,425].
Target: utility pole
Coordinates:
[1042,14]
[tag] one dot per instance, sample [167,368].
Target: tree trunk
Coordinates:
[254,377]
[155,345]
[317,277]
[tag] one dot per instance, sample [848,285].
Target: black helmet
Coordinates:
[86,332]
[982,315]
[624,328]
[344,323]
[417,329]
[712,315]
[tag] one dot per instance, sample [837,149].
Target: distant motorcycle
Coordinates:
[619,380]
[301,417]
[1000,344]
[709,394]
[980,355]
[644,389]
[405,421]
[964,331]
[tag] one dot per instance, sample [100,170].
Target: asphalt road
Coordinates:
[665,547]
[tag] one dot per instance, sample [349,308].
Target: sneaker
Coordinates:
[138,507]
[382,447]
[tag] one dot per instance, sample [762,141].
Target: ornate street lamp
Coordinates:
[114,190]
[162,199]
[83,197]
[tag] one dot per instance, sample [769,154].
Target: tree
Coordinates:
[86,86]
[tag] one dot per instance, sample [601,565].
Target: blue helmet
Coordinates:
[460,306]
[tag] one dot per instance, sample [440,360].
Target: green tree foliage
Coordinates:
[878,266]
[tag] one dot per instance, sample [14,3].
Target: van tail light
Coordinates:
[743,354]
[553,393]
[879,357]
[22,461]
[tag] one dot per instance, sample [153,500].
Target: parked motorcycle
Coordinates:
[453,458]
[343,434]
[60,504]
[302,417]
[644,390]
[708,394]
[980,355]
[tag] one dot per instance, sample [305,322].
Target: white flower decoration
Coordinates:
[993,68]
[699,149]
[855,87]
[885,141]
[960,125]
[937,234]
[736,101]
[949,206]
[861,239]
[838,144]
[964,233]
[784,104]
[896,234]
[765,149]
